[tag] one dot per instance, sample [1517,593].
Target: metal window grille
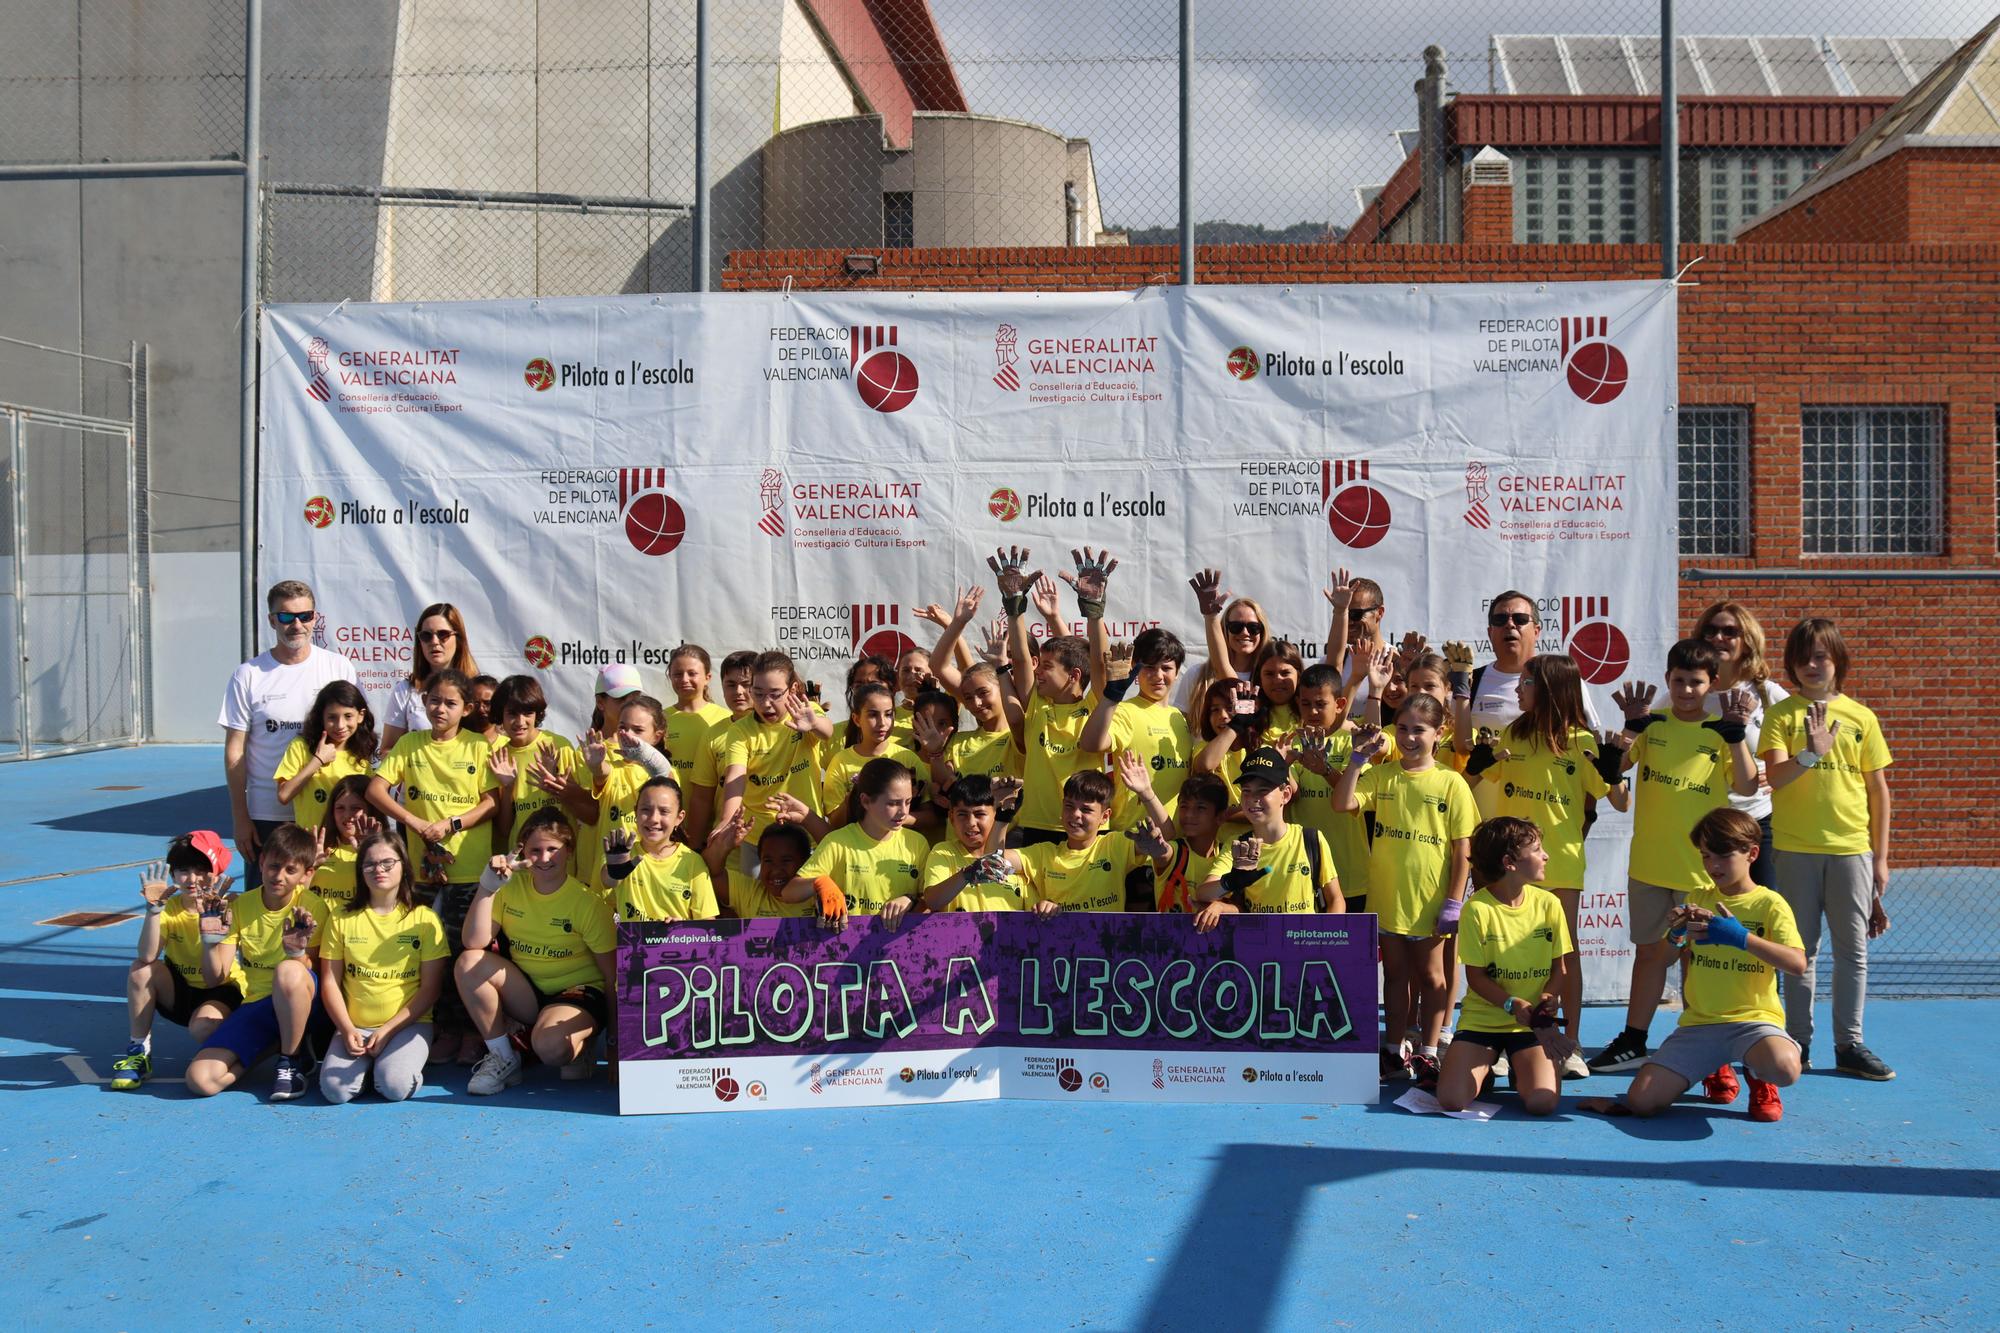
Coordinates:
[1715,481]
[1872,480]
[899,219]
[1586,198]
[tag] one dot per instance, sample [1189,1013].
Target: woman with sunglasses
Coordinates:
[1730,629]
[438,642]
[1236,629]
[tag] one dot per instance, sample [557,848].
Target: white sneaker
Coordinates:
[1574,1067]
[494,1073]
[1501,1066]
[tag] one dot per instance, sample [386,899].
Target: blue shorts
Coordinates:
[251,1033]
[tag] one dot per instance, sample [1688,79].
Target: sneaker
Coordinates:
[495,1073]
[1424,1071]
[131,1069]
[290,1084]
[1861,1062]
[1625,1052]
[1805,1056]
[1394,1065]
[1501,1066]
[1765,1104]
[1574,1068]
[1721,1087]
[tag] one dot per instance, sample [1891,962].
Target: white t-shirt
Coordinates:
[406,708]
[1184,687]
[1757,806]
[268,701]
[1494,703]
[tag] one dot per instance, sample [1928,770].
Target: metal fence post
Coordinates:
[701,186]
[1670,149]
[1187,143]
[253,74]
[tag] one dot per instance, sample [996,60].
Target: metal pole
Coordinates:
[72,171]
[134,655]
[24,721]
[1187,143]
[701,197]
[1670,148]
[253,151]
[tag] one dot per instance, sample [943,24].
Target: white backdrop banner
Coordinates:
[595,480]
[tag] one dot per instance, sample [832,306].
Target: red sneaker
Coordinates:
[1765,1104]
[1721,1087]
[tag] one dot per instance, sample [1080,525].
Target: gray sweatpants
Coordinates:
[1838,890]
[399,1069]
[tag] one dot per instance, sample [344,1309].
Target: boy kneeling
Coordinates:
[1732,1012]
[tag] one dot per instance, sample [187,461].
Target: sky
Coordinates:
[1297,101]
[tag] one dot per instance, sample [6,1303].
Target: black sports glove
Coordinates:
[1611,765]
[1118,687]
[1731,732]
[1481,759]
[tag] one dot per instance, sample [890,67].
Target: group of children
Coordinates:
[1065,774]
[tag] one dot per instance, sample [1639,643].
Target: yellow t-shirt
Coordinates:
[1158,734]
[1051,754]
[1174,888]
[846,766]
[869,872]
[259,935]
[1726,985]
[180,941]
[1288,884]
[674,887]
[441,779]
[1548,791]
[1515,946]
[1090,879]
[382,957]
[687,737]
[1417,818]
[1680,771]
[948,858]
[310,804]
[986,754]
[617,796]
[774,759]
[337,880]
[748,900]
[708,758]
[552,937]
[1825,808]
[528,794]
[1312,806]
[903,728]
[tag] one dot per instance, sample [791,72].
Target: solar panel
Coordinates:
[1799,65]
[1732,66]
[1600,66]
[1784,65]
[1530,65]
[1872,66]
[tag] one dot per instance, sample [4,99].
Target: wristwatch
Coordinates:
[457,824]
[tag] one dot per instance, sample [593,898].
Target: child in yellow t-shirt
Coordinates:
[968,870]
[1276,866]
[1089,870]
[1829,771]
[337,741]
[667,880]
[873,866]
[1145,724]
[871,727]
[1515,943]
[1739,936]
[165,976]
[383,964]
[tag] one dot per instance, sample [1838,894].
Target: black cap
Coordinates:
[1264,764]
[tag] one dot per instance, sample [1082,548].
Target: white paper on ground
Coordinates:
[1421,1102]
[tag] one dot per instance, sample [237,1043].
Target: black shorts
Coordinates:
[590,999]
[1358,903]
[1506,1043]
[183,999]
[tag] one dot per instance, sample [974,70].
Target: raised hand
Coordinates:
[786,808]
[799,712]
[1118,661]
[1458,667]
[547,772]
[298,931]
[1209,593]
[1339,593]
[1132,771]
[1312,748]
[1370,744]
[1413,646]
[1243,853]
[932,612]
[213,909]
[993,648]
[319,847]
[1381,668]
[156,883]
[1006,791]
[594,749]
[1148,839]
[729,836]
[1048,602]
[1634,700]
[1091,580]
[501,764]
[506,865]
[929,736]
[1006,565]
[967,605]
[326,752]
[1820,736]
[617,846]
[1738,706]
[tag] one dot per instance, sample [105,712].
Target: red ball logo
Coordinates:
[654,523]
[1069,1080]
[319,511]
[725,1089]
[908,1074]
[887,381]
[1358,516]
[1242,363]
[1004,504]
[539,652]
[888,643]
[1597,372]
[539,374]
[1600,651]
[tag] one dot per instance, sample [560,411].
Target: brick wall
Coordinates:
[1922,196]
[1772,327]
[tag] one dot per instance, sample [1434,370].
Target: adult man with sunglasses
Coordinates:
[264,708]
[1512,627]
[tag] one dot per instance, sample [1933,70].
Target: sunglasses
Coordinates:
[436,635]
[1361,612]
[1722,632]
[1250,627]
[1515,618]
[291,617]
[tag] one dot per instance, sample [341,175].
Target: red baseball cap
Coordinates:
[211,845]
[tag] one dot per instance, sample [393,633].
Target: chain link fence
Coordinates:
[465,149]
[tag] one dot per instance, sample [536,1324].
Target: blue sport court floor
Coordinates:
[1868,1206]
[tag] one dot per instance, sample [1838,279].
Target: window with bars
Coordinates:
[1715,481]
[1594,197]
[1736,187]
[1872,480]
[899,219]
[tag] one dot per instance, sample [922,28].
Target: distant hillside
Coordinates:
[1238,233]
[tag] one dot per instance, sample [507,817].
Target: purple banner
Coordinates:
[1295,984]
